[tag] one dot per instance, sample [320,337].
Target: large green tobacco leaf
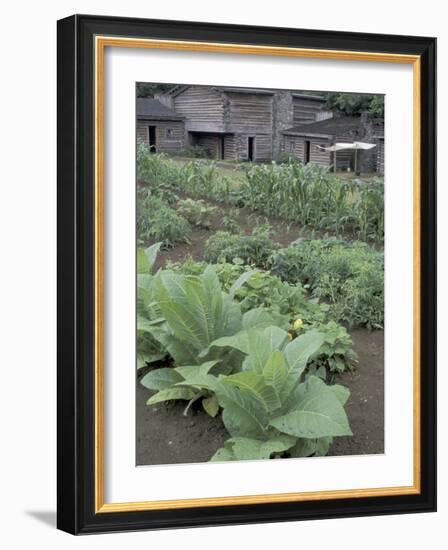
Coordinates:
[254,384]
[244,448]
[196,311]
[299,351]
[315,411]
[275,371]
[308,447]
[172,393]
[243,414]
[161,379]
[257,344]
[147,258]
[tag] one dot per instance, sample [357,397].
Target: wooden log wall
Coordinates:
[295,145]
[248,113]
[230,147]
[166,141]
[200,104]
[305,110]
[262,147]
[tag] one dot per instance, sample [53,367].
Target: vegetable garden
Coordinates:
[252,285]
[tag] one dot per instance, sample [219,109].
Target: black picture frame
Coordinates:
[76,258]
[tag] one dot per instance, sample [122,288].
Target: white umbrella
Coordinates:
[356,145]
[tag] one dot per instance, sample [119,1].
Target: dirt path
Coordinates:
[165,436]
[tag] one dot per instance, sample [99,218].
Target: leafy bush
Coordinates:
[262,289]
[156,170]
[348,276]
[336,353]
[266,409]
[197,212]
[195,311]
[292,310]
[149,350]
[157,221]
[230,221]
[252,249]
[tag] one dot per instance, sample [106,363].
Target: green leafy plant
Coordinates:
[149,350]
[267,410]
[252,249]
[347,276]
[308,194]
[230,222]
[336,354]
[197,212]
[262,289]
[195,312]
[157,221]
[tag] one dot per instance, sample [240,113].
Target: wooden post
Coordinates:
[356,162]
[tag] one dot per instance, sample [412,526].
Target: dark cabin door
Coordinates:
[307,152]
[250,148]
[152,139]
[221,148]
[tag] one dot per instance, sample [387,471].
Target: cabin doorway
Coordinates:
[307,151]
[221,148]
[152,139]
[250,148]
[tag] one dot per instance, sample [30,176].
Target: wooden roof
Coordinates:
[149,108]
[328,127]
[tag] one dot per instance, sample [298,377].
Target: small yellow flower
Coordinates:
[298,324]
[289,336]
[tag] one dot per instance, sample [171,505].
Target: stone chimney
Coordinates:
[282,118]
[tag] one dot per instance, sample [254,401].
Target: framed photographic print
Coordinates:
[246,274]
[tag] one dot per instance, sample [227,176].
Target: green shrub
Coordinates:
[347,276]
[262,289]
[157,221]
[197,212]
[149,349]
[251,249]
[336,353]
[230,221]
[267,410]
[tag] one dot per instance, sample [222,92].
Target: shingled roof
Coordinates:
[149,108]
[327,127]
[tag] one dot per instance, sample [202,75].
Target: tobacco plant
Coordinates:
[267,408]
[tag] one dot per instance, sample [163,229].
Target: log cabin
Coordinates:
[308,142]
[253,124]
[161,128]
[240,123]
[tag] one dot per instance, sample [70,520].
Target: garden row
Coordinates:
[306,195]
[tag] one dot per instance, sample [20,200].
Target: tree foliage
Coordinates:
[355,104]
[147,89]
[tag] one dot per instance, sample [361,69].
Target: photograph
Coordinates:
[260,273]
